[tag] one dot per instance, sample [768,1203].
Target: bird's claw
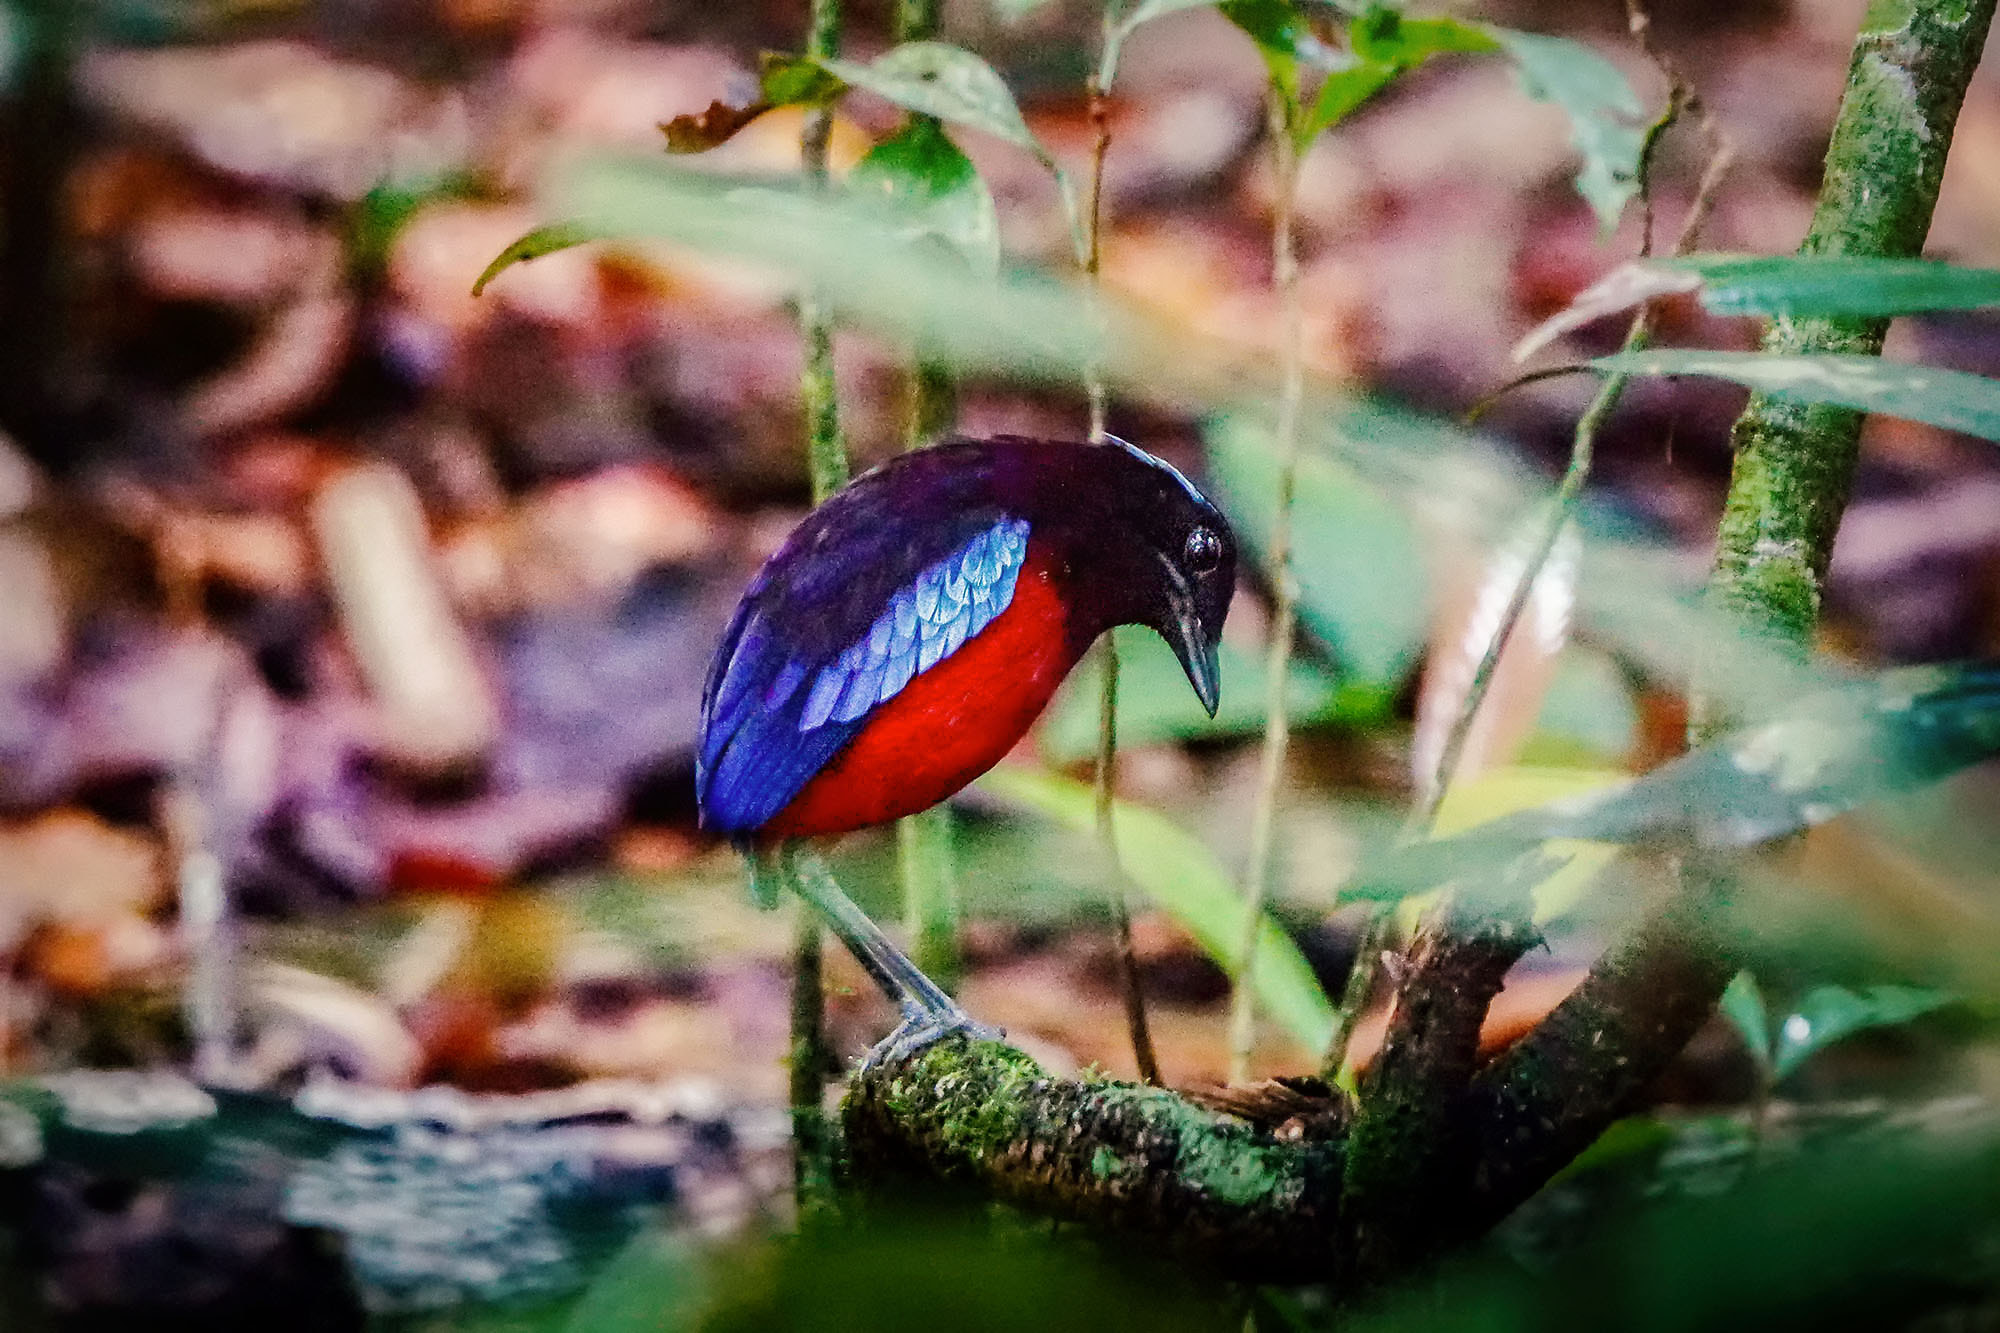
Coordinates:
[922,1028]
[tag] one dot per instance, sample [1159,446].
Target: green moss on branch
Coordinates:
[1795,463]
[1135,1161]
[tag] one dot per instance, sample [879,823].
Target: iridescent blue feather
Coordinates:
[769,731]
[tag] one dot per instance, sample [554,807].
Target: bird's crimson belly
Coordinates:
[949,724]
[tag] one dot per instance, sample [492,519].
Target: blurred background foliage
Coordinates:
[378,611]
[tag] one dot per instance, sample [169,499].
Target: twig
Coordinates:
[1130,985]
[1472,415]
[1277,725]
[1093,225]
[826,464]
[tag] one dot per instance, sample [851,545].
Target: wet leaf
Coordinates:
[1950,399]
[541,241]
[930,188]
[1743,1006]
[703,130]
[1828,1014]
[1182,875]
[1605,116]
[1359,566]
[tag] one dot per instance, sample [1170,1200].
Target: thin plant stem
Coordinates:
[929,870]
[811,1158]
[826,464]
[1131,985]
[1093,241]
[1277,727]
[925,861]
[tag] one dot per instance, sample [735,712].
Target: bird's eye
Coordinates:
[1203,551]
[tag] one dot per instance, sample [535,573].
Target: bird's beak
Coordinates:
[1197,650]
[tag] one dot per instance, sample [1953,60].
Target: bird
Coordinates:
[909,631]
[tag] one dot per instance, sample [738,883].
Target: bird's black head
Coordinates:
[1146,548]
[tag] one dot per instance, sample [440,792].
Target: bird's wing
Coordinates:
[832,630]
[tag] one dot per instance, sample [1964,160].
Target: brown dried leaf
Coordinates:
[1468,618]
[436,707]
[708,129]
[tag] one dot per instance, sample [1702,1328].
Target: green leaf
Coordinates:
[379,216]
[1156,706]
[1386,46]
[930,188]
[1384,36]
[1827,285]
[1837,750]
[1359,566]
[1588,715]
[946,81]
[541,241]
[1605,116]
[1183,877]
[791,80]
[1278,27]
[1743,1006]
[1797,285]
[1951,399]
[1829,1013]
[653,1273]
[1342,92]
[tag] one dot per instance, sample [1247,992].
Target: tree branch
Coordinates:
[1794,463]
[1251,1203]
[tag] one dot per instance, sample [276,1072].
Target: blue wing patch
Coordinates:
[775,720]
[924,623]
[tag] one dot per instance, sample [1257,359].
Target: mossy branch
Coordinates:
[1139,1162]
[1795,463]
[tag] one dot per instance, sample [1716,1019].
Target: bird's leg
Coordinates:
[928,1013]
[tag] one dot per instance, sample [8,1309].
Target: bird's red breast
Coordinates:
[950,723]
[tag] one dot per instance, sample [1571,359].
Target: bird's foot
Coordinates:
[923,1027]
